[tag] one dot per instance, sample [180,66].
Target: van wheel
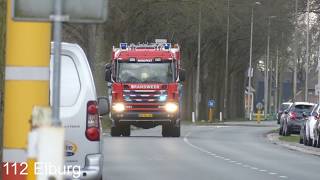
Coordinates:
[126,131]
[115,131]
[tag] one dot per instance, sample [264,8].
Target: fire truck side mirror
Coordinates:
[182,75]
[108,75]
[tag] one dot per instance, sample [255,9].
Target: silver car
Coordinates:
[309,134]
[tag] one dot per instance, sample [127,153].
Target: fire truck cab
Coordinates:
[145,82]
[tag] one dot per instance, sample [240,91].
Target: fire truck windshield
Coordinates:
[146,72]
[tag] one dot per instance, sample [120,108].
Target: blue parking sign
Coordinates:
[211,103]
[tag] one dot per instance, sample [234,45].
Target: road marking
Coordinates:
[186,140]
[283,177]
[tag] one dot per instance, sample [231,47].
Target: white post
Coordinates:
[221,117]
[193,117]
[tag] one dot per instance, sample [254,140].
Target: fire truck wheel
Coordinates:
[115,131]
[176,131]
[166,130]
[126,131]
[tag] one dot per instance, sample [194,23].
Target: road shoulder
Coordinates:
[274,138]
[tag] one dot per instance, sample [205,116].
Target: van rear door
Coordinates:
[77,89]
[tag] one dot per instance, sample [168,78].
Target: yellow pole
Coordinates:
[259,116]
[210,114]
[26,85]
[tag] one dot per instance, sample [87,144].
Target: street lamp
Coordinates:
[295,53]
[227,62]
[198,65]
[250,71]
[307,54]
[266,72]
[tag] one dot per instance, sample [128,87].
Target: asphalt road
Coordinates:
[205,153]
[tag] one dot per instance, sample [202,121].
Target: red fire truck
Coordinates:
[145,82]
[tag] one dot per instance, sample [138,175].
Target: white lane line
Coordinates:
[283,177]
[186,140]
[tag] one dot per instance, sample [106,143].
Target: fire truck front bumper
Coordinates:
[155,117]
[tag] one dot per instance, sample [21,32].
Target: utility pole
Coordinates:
[250,71]
[250,66]
[295,53]
[266,73]
[276,99]
[317,90]
[198,65]
[225,101]
[307,54]
[266,78]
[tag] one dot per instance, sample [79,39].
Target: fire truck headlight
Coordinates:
[171,107]
[118,107]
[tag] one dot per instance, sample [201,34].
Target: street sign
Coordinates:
[79,11]
[211,103]
[259,106]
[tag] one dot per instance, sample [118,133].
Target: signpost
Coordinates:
[259,107]
[81,11]
[211,106]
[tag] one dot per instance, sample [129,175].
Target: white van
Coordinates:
[79,113]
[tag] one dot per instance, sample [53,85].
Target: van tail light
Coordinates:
[93,125]
[293,115]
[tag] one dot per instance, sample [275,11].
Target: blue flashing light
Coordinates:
[167,46]
[163,98]
[123,45]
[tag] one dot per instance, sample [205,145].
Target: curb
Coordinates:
[235,124]
[274,138]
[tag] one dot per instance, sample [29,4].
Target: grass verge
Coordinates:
[292,138]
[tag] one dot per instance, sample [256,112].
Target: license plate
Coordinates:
[145,115]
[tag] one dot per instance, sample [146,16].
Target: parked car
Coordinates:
[79,113]
[284,106]
[293,118]
[309,134]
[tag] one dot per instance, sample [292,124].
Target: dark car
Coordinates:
[294,117]
[284,106]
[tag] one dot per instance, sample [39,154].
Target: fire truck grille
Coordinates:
[145,100]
